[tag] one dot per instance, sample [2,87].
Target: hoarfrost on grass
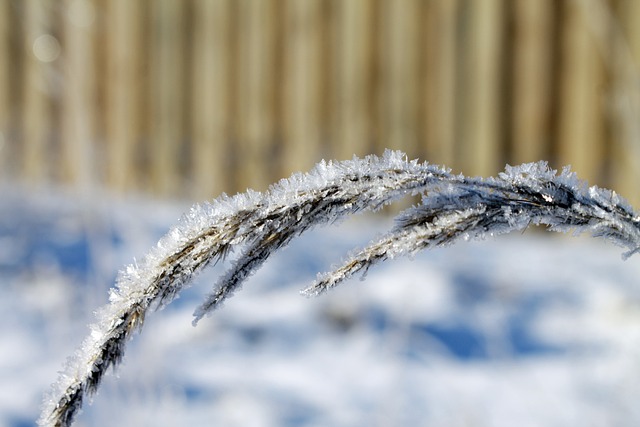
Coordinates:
[453,207]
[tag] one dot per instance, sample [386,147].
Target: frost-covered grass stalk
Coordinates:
[453,207]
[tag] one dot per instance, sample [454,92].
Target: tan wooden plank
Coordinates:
[624,59]
[5,99]
[210,98]
[301,97]
[41,51]
[533,49]
[440,47]
[353,47]
[480,121]
[123,24]
[78,96]
[398,104]
[581,127]
[327,80]
[612,27]
[166,95]
[255,83]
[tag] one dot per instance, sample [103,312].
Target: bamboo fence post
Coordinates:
[398,106]
[353,46]
[532,80]
[79,98]
[5,98]
[580,139]
[256,97]
[40,52]
[301,98]
[480,121]
[166,93]
[123,91]
[441,35]
[210,97]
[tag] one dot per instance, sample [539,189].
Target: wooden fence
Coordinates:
[194,97]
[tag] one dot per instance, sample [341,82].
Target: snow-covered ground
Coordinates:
[528,329]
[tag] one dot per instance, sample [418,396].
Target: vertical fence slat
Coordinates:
[301,84]
[398,101]
[440,86]
[353,81]
[5,99]
[580,130]
[480,149]
[255,81]
[327,79]
[36,114]
[166,77]
[210,86]
[123,92]
[79,101]
[531,79]
[625,55]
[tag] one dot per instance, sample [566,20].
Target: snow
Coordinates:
[527,329]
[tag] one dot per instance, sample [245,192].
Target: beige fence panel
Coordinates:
[581,138]
[532,90]
[480,102]
[353,47]
[211,105]
[398,67]
[256,85]
[625,50]
[5,97]
[78,134]
[301,84]
[123,92]
[440,38]
[39,49]
[167,95]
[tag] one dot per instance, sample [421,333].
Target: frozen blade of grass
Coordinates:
[474,208]
[154,282]
[354,192]
[251,260]
[400,241]
[208,233]
[261,223]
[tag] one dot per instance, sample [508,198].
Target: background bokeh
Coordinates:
[191,98]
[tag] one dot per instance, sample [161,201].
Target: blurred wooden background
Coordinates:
[191,98]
